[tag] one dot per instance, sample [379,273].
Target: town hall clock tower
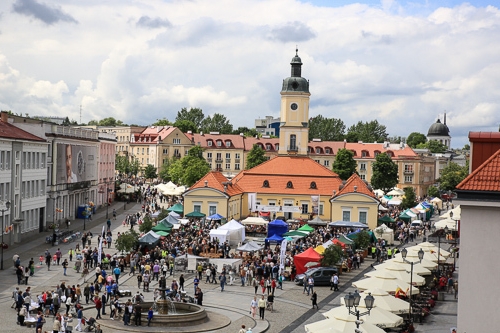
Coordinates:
[294,112]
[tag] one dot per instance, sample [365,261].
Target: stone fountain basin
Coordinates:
[188,314]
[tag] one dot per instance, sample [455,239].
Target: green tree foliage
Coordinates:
[332,256]
[434,146]
[150,172]
[367,132]
[385,173]
[362,240]
[344,164]
[109,121]
[255,156]
[189,169]
[217,123]
[451,176]
[146,225]
[164,170]
[162,215]
[248,132]
[415,138]
[395,139]
[466,147]
[161,122]
[135,167]
[433,191]
[186,125]
[93,123]
[194,115]
[326,129]
[409,199]
[127,241]
[122,165]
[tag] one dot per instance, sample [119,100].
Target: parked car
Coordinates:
[321,275]
[417,224]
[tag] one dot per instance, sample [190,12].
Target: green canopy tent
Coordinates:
[386,219]
[345,240]
[405,217]
[354,235]
[163,225]
[195,214]
[163,233]
[149,239]
[178,208]
[307,228]
[296,233]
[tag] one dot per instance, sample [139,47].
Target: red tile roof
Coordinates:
[485,178]
[489,136]
[250,141]
[216,180]
[10,131]
[361,187]
[235,139]
[300,171]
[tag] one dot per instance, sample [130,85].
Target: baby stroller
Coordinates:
[90,324]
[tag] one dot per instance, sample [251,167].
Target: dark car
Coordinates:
[321,275]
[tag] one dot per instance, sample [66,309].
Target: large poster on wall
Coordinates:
[75,163]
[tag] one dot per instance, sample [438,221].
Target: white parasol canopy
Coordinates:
[401,274]
[385,301]
[389,284]
[417,268]
[457,212]
[426,262]
[451,224]
[340,325]
[429,247]
[378,316]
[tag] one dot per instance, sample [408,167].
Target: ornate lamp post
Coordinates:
[404,252]
[440,234]
[7,207]
[352,301]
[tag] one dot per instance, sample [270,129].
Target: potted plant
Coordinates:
[362,241]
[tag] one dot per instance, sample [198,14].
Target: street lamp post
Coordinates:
[353,301]
[107,201]
[440,234]
[85,215]
[7,207]
[404,252]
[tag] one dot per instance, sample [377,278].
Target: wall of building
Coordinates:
[355,204]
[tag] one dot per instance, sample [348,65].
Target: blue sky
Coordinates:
[403,63]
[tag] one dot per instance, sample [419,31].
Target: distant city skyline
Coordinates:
[403,63]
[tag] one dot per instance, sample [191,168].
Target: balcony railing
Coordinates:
[218,160]
[408,172]
[292,148]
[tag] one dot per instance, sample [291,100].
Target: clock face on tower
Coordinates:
[294,106]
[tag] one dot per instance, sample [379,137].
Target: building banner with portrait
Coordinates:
[315,204]
[75,163]
[276,209]
[283,255]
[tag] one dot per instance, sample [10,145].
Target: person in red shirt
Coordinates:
[273,286]
[263,285]
[98,306]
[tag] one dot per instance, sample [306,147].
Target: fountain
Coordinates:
[162,302]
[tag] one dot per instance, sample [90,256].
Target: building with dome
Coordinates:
[440,132]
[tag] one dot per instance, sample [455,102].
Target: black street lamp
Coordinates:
[107,201]
[404,252]
[439,235]
[352,300]
[7,207]
[85,213]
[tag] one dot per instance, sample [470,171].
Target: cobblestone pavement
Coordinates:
[292,309]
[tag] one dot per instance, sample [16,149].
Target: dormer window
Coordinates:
[364,153]
[313,185]
[327,150]
[219,143]
[209,143]
[265,184]
[318,150]
[377,152]
[289,184]
[268,146]
[390,153]
[228,144]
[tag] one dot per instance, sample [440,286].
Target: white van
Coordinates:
[417,224]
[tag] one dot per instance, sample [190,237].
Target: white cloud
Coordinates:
[139,62]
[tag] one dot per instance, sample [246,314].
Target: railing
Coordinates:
[292,148]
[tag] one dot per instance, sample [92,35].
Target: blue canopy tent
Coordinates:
[275,239]
[277,227]
[215,217]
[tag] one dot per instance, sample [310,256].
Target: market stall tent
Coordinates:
[250,247]
[178,208]
[151,239]
[236,231]
[385,233]
[307,228]
[277,227]
[274,238]
[221,235]
[301,259]
[255,221]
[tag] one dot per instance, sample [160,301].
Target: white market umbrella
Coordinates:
[389,284]
[401,274]
[429,248]
[385,301]
[377,316]
[339,325]
[449,223]
[379,193]
[457,212]
[426,262]
[417,268]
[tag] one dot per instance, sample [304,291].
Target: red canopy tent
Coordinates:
[303,258]
[336,241]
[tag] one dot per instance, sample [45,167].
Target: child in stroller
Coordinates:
[90,324]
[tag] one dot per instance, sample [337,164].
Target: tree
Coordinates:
[186,125]
[385,173]
[93,123]
[451,176]
[433,191]
[367,132]
[194,115]
[161,122]
[415,138]
[248,132]
[326,129]
[189,169]
[127,241]
[135,166]
[362,240]
[332,256]
[255,156]
[466,147]
[395,139]
[409,199]
[434,146]
[146,225]
[150,172]
[344,164]
[122,165]
[164,170]
[217,123]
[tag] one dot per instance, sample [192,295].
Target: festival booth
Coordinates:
[385,233]
[149,239]
[172,220]
[215,217]
[387,220]
[177,208]
[317,221]
[438,202]
[250,247]
[236,232]
[163,228]
[347,224]
[277,227]
[221,235]
[274,239]
[338,242]
[407,216]
[306,228]
[300,260]
[255,221]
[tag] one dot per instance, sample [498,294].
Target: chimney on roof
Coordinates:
[201,133]
[5,117]
[206,183]
[444,120]
[225,188]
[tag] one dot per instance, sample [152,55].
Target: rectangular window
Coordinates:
[209,155]
[177,141]
[142,151]
[237,155]
[2,159]
[24,161]
[228,166]
[219,143]
[305,208]
[33,160]
[408,167]
[346,215]
[237,166]
[362,176]
[362,166]
[209,143]
[321,208]
[362,217]
[408,179]
[212,210]
[7,160]
[218,166]
[228,155]
[327,150]
[317,161]
[326,163]
[42,165]
[23,190]
[219,157]
[197,208]
[228,144]
[147,151]
[165,151]
[318,150]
